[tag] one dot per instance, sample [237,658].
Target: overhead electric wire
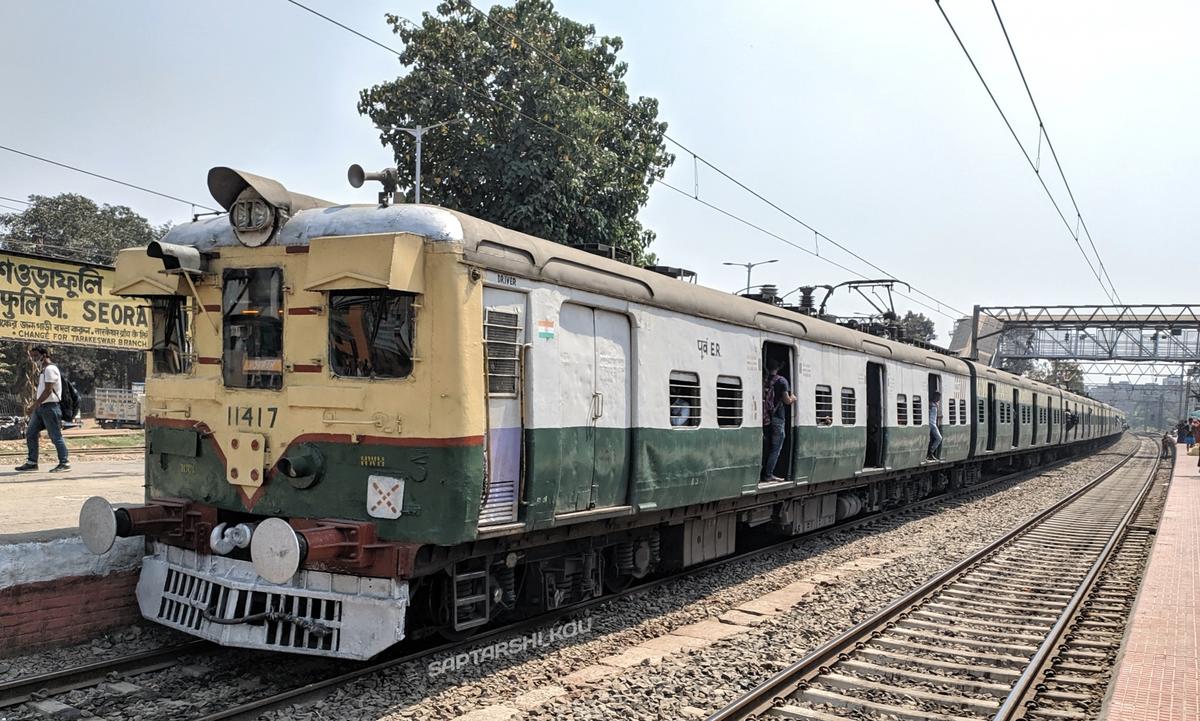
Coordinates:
[624,109]
[18,210]
[1021,145]
[109,179]
[15,200]
[571,139]
[1053,153]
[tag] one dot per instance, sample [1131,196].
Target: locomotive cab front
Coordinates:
[314,415]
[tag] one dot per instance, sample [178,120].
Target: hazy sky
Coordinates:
[861,117]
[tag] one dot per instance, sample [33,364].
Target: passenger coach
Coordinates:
[372,422]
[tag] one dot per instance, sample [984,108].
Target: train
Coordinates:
[377,422]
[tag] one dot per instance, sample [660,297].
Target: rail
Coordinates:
[820,662]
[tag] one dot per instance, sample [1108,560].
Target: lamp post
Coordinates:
[417,132]
[749,267]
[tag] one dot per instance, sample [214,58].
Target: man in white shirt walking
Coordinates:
[45,412]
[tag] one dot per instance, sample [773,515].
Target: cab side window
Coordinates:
[371,333]
[171,345]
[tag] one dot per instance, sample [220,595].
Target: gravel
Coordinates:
[687,684]
[699,681]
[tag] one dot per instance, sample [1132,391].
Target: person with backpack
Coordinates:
[45,412]
[777,396]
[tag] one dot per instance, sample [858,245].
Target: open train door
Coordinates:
[991,416]
[876,435]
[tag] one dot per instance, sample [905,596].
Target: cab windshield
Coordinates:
[252,322]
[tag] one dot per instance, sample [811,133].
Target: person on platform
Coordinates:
[45,412]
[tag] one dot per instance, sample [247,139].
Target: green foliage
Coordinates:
[74,227]
[496,164]
[917,326]
[1064,374]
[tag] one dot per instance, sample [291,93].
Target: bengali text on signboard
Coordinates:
[54,301]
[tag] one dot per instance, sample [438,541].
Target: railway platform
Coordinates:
[1158,674]
[52,589]
[38,501]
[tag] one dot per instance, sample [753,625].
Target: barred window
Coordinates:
[502,340]
[685,399]
[824,406]
[916,411]
[981,411]
[849,407]
[901,409]
[962,410]
[951,415]
[729,401]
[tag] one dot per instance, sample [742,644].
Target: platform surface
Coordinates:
[1158,677]
[40,501]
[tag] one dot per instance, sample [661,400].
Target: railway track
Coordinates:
[56,682]
[46,685]
[127,450]
[975,642]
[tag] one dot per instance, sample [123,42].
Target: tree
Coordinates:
[571,166]
[73,227]
[917,326]
[1065,374]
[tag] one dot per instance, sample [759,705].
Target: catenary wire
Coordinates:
[623,108]
[109,179]
[1021,145]
[18,210]
[659,181]
[1053,153]
[15,200]
[571,139]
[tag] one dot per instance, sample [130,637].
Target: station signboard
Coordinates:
[59,302]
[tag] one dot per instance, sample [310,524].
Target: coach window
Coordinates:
[962,411]
[171,347]
[952,413]
[917,412]
[824,399]
[685,399]
[729,401]
[252,337]
[371,333]
[901,409]
[849,407]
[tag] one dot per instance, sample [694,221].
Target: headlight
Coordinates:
[253,218]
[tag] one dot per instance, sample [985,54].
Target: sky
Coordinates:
[862,118]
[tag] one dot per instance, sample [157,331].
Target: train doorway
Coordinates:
[782,354]
[1016,418]
[991,417]
[1034,434]
[876,438]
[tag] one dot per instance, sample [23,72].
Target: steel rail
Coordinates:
[1011,708]
[23,689]
[319,689]
[761,698]
[118,451]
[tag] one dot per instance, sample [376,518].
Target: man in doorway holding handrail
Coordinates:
[935,433]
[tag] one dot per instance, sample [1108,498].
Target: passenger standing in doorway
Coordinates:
[45,412]
[935,433]
[777,396]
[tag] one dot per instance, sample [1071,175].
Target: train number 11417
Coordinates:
[251,417]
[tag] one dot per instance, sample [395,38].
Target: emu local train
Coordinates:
[366,423]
